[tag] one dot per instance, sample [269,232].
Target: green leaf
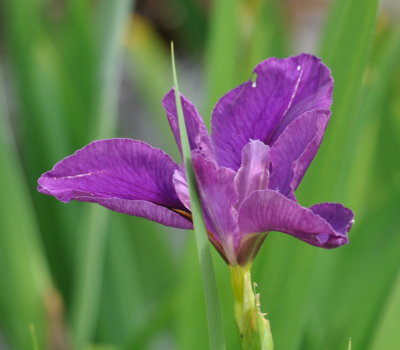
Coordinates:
[23,269]
[386,327]
[111,26]
[345,49]
[222,50]
[371,152]
[139,278]
[215,327]
[35,344]
[149,68]
[241,34]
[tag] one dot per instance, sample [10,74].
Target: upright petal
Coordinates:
[283,90]
[197,131]
[117,173]
[294,150]
[324,225]
[254,172]
[218,196]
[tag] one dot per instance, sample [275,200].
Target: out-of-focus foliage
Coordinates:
[78,275]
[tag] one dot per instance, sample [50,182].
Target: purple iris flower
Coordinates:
[265,134]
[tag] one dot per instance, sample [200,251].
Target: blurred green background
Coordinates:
[78,276]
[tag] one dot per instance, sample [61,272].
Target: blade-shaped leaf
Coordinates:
[215,327]
[26,281]
[112,23]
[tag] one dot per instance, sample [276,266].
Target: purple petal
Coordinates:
[196,130]
[283,90]
[338,216]
[143,209]
[218,195]
[294,150]
[324,225]
[117,168]
[254,173]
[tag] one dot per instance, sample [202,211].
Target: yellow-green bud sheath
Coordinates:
[255,333]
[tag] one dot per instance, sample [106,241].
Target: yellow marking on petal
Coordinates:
[183,213]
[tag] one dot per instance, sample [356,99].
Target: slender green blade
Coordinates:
[149,64]
[385,323]
[222,50]
[41,123]
[349,271]
[386,328]
[261,35]
[306,272]
[35,344]
[283,271]
[26,285]
[138,282]
[345,49]
[190,326]
[215,327]
[241,34]
[112,23]
[369,116]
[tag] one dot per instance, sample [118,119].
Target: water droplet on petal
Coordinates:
[254,85]
[298,68]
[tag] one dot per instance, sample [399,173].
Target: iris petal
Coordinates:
[197,132]
[324,225]
[294,150]
[119,174]
[218,195]
[284,89]
[253,174]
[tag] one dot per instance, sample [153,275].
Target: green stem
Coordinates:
[255,333]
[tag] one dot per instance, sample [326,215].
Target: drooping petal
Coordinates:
[115,173]
[254,172]
[323,225]
[196,130]
[218,196]
[338,216]
[294,150]
[283,90]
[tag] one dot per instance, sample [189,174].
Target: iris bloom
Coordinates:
[264,136]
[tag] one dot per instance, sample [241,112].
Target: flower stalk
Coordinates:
[255,332]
